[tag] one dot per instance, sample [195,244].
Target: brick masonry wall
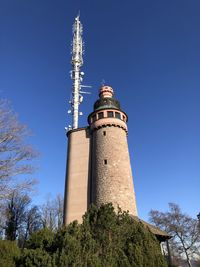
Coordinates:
[111,170]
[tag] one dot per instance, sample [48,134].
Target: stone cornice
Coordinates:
[109,122]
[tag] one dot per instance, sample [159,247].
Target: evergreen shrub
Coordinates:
[104,239]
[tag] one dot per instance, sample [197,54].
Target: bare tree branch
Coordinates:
[183,229]
[15,154]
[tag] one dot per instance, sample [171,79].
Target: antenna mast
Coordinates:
[76,74]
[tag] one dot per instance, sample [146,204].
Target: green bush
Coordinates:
[41,239]
[104,239]
[9,253]
[34,257]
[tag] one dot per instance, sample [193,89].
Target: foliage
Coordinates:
[32,222]
[185,240]
[21,220]
[104,239]
[34,257]
[15,214]
[9,253]
[41,239]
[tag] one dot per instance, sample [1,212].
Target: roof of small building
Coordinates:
[161,235]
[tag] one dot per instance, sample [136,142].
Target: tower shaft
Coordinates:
[111,169]
[111,175]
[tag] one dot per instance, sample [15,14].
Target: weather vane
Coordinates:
[103,82]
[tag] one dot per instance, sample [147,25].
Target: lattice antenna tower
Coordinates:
[76,73]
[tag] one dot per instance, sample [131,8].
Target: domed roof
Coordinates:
[104,103]
[106,99]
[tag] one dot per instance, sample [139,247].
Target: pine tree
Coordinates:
[104,239]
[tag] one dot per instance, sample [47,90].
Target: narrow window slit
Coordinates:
[105,161]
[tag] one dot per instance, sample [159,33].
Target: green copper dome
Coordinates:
[106,102]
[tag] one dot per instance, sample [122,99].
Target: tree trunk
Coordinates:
[169,254]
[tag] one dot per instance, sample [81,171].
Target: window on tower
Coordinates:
[105,161]
[110,114]
[117,115]
[100,115]
[94,118]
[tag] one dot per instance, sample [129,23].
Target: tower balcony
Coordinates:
[106,118]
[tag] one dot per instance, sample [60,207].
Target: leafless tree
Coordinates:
[15,154]
[52,213]
[32,222]
[16,214]
[183,229]
[19,218]
[15,160]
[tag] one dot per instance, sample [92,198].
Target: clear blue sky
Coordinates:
[148,51]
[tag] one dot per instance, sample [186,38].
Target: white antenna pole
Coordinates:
[76,74]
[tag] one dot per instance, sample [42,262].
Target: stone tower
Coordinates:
[98,162]
[111,175]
